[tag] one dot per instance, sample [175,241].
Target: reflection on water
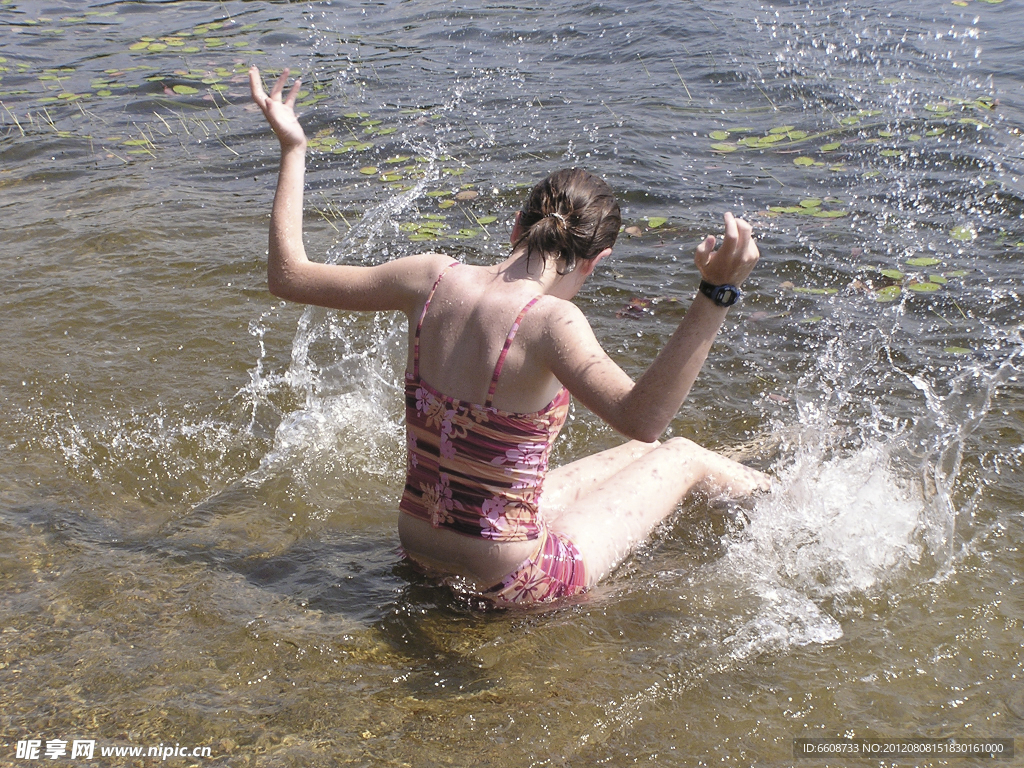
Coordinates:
[199,483]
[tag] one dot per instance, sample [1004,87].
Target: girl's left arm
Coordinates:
[395,285]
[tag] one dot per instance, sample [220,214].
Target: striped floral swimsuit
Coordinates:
[478,471]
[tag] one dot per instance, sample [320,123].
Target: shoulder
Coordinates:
[422,268]
[559,324]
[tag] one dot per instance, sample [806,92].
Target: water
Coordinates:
[199,483]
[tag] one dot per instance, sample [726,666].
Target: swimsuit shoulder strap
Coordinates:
[504,350]
[416,340]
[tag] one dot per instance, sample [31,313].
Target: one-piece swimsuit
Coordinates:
[479,471]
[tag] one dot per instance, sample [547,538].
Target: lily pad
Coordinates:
[368,170]
[962,234]
[922,261]
[719,135]
[831,146]
[810,202]
[724,147]
[958,350]
[656,221]
[185,90]
[816,291]
[892,274]
[782,129]
[924,287]
[486,219]
[889,293]
[803,161]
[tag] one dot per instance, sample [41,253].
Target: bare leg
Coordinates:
[606,516]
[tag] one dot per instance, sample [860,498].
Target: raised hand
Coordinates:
[734,260]
[280,112]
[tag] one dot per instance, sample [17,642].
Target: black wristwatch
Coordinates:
[721,295]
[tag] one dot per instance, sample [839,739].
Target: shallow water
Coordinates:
[198,483]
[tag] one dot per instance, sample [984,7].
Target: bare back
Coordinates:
[464,330]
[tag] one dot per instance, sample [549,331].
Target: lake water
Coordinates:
[199,483]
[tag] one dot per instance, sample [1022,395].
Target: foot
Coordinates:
[732,479]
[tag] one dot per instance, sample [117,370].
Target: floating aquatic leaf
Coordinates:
[391,177]
[886,134]
[892,274]
[724,147]
[935,132]
[923,287]
[185,90]
[368,170]
[956,273]
[782,129]
[890,153]
[467,194]
[804,161]
[810,202]
[811,320]
[817,291]
[851,120]
[958,350]
[439,193]
[420,237]
[914,137]
[787,209]
[446,204]
[889,293]
[922,261]
[719,135]
[656,221]
[796,135]
[871,174]
[937,279]
[397,159]
[138,46]
[408,226]
[889,81]
[157,47]
[486,219]
[962,234]
[830,147]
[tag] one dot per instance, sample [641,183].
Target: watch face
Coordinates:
[726,295]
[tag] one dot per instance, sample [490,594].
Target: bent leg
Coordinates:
[565,485]
[606,518]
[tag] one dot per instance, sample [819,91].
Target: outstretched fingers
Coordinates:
[280,113]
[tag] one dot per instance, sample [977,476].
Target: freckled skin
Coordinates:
[605,503]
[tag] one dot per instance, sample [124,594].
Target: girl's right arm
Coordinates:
[395,285]
[643,410]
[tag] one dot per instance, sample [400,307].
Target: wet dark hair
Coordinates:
[572,214]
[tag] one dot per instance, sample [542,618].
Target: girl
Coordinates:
[494,353]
